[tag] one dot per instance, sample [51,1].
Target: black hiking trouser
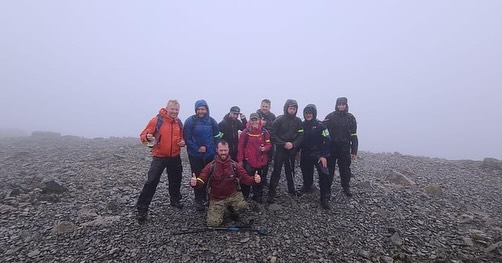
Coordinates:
[344,160]
[286,158]
[197,164]
[174,176]
[307,164]
[257,190]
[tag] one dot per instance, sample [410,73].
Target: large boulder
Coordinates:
[396,177]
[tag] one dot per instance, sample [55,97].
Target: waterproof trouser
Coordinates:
[174,176]
[196,165]
[286,158]
[256,190]
[344,160]
[307,165]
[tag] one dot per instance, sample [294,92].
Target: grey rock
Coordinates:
[396,177]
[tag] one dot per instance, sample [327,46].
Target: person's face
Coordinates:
[173,110]
[341,107]
[291,110]
[233,115]
[254,123]
[309,116]
[201,111]
[265,107]
[223,151]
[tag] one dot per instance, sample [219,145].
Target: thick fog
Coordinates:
[421,77]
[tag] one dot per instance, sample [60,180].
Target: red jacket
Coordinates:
[168,136]
[249,146]
[223,183]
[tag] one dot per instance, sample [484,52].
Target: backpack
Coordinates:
[234,169]
[160,121]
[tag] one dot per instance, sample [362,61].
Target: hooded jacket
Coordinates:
[342,127]
[168,136]
[223,182]
[201,132]
[287,128]
[316,141]
[249,146]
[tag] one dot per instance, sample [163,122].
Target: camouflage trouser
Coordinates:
[217,208]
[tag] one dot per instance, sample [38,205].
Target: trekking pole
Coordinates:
[262,231]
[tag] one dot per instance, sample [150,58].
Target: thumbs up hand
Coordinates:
[193,180]
[257,177]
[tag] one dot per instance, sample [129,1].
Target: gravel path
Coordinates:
[69,199]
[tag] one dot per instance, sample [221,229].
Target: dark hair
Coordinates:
[223,142]
[266,101]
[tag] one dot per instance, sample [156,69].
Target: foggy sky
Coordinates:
[422,77]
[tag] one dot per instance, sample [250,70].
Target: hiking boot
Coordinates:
[271,197]
[347,192]
[325,205]
[141,217]
[295,193]
[257,198]
[234,216]
[305,190]
[199,206]
[177,204]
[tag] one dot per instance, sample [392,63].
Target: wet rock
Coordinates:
[433,190]
[53,185]
[396,177]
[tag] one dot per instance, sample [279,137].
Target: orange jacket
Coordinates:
[168,136]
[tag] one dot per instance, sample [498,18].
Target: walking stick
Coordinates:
[262,231]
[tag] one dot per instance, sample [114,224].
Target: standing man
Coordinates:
[222,176]
[342,128]
[287,136]
[267,117]
[201,135]
[164,134]
[314,153]
[230,127]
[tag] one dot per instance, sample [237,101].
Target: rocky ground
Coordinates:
[69,199]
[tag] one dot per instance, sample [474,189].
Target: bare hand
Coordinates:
[193,180]
[150,137]
[202,149]
[288,146]
[181,143]
[353,157]
[323,161]
[257,177]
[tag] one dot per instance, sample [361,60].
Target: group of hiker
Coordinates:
[229,161]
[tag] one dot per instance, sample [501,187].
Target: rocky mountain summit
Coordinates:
[71,199]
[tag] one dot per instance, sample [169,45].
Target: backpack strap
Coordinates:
[160,120]
[234,169]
